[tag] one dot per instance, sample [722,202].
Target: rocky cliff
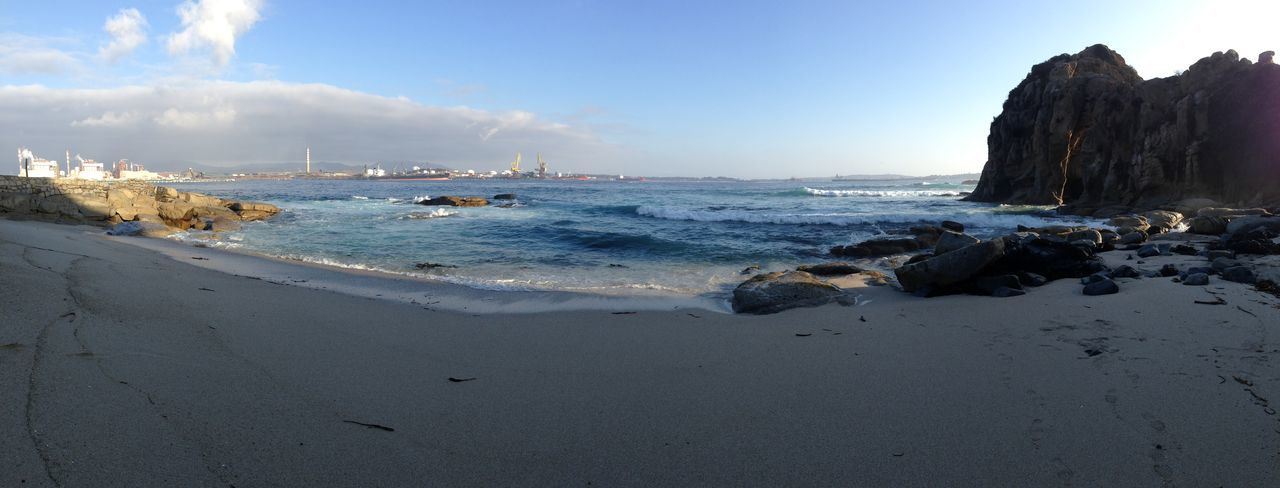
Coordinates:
[158,209]
[1087,132]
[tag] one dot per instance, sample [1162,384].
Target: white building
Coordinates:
[89,170]
[32,167]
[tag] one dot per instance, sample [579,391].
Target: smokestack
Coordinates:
[308,159]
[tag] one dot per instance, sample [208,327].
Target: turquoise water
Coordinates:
[601,236]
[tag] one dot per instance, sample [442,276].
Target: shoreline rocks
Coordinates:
[157,210]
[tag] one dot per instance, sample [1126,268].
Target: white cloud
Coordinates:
[108,119]
[127,30]
[27,55]
[221,122]
[214,25]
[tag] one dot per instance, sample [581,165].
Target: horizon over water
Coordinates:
[609,237]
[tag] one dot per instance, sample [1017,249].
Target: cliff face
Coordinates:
[1086,131]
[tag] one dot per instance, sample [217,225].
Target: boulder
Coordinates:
[1165,220]
[505,196]
[1103,286]
[1125,271]
[950,268]
[774,292]
[829,269]
[1230,212]
[1196,279]
[1048,258]
[1153,250]
[1134,237]
[452,201]
[1220,264]
[952,226]
[1239,274]
[987,285]
[1168,270]
[1184,250]
[1090,235]
[250,211]
[950,241]
[878,247]
[1031,279]
[1125,224]
[1241,226]
[1207,225]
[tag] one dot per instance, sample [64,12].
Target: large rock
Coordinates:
[452,201]
[1048,258]
[778,291]
[1086,130]
[950,241]
[1164,220]
[950,268]
[1207,225]
[1240,226]
[878,247]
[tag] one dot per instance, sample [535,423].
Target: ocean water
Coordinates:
[612,237]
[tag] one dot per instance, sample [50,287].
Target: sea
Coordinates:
[617,237]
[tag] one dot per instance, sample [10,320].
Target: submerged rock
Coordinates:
[453,201]
[878,247]
[774,292]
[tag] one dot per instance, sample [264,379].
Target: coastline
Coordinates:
[125,367]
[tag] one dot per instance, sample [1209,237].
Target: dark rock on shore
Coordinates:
[1102,286]
[774,292]
[878,247]
[505,196]
[1196,279]
[950,268]
[1086,131]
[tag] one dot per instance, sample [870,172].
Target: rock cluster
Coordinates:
[156,210]
[1085,131]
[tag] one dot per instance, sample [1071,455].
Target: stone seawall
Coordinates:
[155,208]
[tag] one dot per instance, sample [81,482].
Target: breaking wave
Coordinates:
[977,220]
[881,193]
[434,214]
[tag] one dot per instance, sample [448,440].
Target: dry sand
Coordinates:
[121,366]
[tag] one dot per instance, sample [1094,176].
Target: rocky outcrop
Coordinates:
[106,203]
[1085,131]
[452,201]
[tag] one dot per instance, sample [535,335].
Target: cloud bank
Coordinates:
[214,25]
[127,30]
[223,123]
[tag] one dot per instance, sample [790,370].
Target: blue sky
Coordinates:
[746,89]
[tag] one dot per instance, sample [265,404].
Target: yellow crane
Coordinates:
[515,165]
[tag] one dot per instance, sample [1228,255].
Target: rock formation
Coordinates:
[100,202]
[1085,131]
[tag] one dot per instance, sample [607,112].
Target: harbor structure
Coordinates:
[308,159]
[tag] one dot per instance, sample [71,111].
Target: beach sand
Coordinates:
[124,366]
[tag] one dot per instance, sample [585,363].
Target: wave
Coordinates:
[881,193]
[421,198]
[985,220]
[359,197]
[434,214]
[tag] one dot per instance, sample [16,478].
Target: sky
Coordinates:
[748,89]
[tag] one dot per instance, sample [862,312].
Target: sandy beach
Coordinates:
[122,366]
